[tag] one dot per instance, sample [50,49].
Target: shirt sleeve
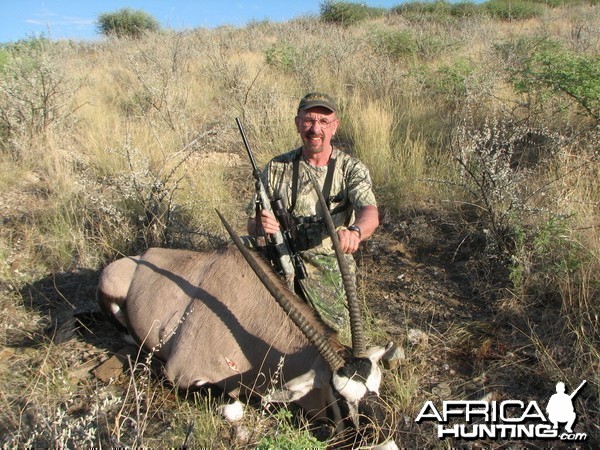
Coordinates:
[360,186]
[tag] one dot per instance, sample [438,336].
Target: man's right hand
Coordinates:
[268,221]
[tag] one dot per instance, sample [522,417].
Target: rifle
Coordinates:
[574,393]
[280,246]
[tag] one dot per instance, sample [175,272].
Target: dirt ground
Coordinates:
[432,288]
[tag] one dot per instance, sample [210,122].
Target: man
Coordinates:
[560,408]
[346,185]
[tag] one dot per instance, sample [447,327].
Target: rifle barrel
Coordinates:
[574,393]
[264,196]
[255,170]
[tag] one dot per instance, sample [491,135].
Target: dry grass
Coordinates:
[142,146]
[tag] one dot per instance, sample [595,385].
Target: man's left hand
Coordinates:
[350,240]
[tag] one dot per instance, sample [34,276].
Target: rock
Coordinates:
[110,369]
[393,357]
[83,371]
[442,390]
[114,366]
[417,337]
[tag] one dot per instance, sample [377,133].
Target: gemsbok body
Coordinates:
[224,318]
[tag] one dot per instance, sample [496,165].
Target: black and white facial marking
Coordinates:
[358,383]
[356,378]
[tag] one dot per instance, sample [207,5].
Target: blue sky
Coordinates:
[75,19]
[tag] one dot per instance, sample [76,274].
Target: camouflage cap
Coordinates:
[315,99]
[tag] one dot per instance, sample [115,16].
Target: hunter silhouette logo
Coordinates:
[508,419]
[560,407]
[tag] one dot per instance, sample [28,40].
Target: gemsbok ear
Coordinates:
[376,353]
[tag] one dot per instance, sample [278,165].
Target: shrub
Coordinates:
[281,55]
[348,13]
[4,57]
[126,23]
[464,9]
[491,175]
[439,7]
[545,70]
[422,7]
[38,95]
[437,10]
[542,253]
[449,81]
[513,9]
[572,75]
[559,3]
[430,47]
[395,44]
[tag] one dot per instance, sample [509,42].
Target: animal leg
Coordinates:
[234,412]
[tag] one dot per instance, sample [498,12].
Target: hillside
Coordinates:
[481,134]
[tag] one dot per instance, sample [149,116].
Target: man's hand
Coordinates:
[268,221]
[367,220]
[349,240]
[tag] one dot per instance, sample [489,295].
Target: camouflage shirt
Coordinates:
[350,191]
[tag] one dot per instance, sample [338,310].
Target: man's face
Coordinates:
[316,127]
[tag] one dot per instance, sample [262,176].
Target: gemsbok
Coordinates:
[211,318]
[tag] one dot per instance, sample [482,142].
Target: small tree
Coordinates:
[126,23]
[348,13]
[544,70]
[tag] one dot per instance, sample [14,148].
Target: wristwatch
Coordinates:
[357,229]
